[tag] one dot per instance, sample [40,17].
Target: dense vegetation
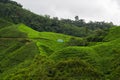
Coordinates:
[27,54]
[13,12]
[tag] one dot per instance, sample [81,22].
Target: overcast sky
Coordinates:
[95,10]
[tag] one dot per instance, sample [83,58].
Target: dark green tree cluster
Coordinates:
[13,12]
[11,2]
[98,35]
[77,42]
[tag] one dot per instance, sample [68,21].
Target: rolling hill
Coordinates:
[26,54]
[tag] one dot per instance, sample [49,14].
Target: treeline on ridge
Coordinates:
[14,12]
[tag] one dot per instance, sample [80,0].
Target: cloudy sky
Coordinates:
[95,10]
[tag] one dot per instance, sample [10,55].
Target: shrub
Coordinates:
[76,42]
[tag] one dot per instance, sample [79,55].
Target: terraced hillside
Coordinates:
[26,54]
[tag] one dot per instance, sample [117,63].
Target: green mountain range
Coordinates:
[30,54]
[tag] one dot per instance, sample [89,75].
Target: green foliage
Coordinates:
[30,32]
[115,74]
[4,23]
[11,2]
[113,34]
[26,54]
[85,53]
[98,36]
[42,68]
[76,42]
[16,55]
[75,69]
[11,32]
[13,12]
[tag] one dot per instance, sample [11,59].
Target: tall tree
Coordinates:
[76,18]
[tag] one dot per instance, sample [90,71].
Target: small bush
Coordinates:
[76,42]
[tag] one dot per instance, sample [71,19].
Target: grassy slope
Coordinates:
[19,53]
[45,41]
[102,56]
[20,43]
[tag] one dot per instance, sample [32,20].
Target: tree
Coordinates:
[4,1]
[76,18]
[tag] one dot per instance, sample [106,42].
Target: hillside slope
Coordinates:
[26,54]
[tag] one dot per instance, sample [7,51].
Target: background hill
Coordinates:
[13,12]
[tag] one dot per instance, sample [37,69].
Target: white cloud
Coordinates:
[100,10]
